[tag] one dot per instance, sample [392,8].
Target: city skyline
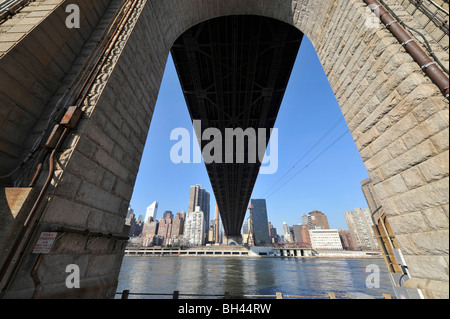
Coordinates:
[328,168]
[192,229]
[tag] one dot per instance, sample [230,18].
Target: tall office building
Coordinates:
[220,232]
[151,212]
[216,227]
[130,211]
[360,223]
[301,234]
[318,220]
[260,222]
[286,232]
[177,229]
[297,229]
[245,227]
[165,229]
[150,228]
[199,197]
[178,224]
[272,233]
[305,219]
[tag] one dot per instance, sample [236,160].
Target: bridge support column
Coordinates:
[232,240]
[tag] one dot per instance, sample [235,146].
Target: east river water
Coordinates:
[252,276]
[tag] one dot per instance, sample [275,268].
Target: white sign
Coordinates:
[44,243]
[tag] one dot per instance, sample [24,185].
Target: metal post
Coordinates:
[125,294]
[176,294]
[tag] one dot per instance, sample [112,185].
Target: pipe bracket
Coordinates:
[389,24]
[423,67]
[406,42]
[375,8]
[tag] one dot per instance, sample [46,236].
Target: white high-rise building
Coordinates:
[194,228]
[360,223]
[130,211]
[286,232]
[325,239]
[151,212]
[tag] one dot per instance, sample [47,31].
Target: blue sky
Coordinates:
[319,166]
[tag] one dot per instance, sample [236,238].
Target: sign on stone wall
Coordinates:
[44,243]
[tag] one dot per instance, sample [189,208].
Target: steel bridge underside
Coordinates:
[234,71]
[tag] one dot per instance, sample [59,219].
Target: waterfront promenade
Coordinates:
[243,251]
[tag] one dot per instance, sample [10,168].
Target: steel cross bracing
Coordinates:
[234,71]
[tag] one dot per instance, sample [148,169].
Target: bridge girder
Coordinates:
[234,71]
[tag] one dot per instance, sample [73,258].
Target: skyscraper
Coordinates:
[199,202]
[194,228]
[305,235]
[305,219]
[260,222]
[360,224]
[286,232]
[216,226]
[177,229]
[297,232]
[318,219]
[165,229]
[151,212]
[178,224]
[198,196]
[130,211]
[245,227]
[272,233]
[150,228]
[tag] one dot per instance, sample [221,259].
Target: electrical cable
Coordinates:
[317,143]
[311,161]
[425,41]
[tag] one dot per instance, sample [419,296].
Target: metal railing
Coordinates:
[435,14]
[125,294]
[10,7]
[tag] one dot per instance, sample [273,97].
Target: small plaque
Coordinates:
[44,243]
